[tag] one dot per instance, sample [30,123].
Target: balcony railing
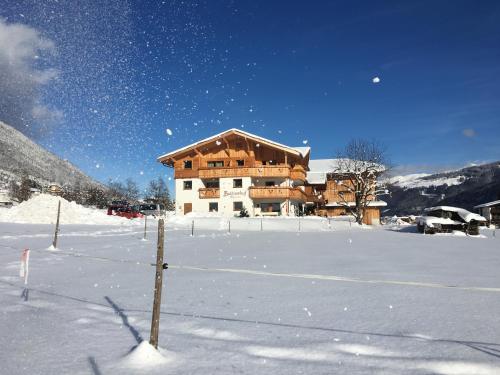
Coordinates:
[258,192]
[262,171]
[207,193]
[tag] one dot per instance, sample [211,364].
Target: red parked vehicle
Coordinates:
[123,209]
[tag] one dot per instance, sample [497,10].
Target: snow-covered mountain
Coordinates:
[19,154]
[464,188]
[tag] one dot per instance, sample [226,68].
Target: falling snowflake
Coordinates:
[305,141]
[169,132]
[376,80]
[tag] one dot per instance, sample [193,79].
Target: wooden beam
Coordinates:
[227,146]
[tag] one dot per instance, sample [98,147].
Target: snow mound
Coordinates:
[42,209]
[146,356]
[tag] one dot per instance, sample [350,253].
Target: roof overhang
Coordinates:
[299,151]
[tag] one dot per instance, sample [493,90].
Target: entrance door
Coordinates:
[188,207]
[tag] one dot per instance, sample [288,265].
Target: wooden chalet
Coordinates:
[327,187]
[236,169]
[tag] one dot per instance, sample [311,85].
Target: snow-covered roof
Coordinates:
[319,168]
[316,177]
[352,204]
[431,220]
[466,216]
[299,151]
[489,204]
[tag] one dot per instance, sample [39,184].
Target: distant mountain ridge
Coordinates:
[466,188]
[19,154]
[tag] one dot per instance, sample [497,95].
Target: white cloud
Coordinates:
[23,52]
[469,133]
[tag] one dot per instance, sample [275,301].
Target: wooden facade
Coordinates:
[332,197]
[236,155]
[236,168]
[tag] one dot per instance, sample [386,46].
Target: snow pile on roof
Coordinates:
[146,356]
[489,204]
[421,180]
[431,220]
[42,209]
[319,168]
[466,216]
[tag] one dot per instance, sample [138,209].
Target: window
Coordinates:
[270,183]
[240,163]
[215,164]
[188,185]
[213,184]
[237,206]
[213,207]
[270,207]
[188,164]
[237,183]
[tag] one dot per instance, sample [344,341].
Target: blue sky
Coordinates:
[287,70]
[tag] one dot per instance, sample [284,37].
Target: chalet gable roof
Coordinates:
[298,151]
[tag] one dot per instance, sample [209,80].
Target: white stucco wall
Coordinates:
[228,195]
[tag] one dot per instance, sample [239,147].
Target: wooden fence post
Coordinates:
[145,225]
[261,224]
[229,225]
[299,223]
[54,243]
[192,228]
[155,320]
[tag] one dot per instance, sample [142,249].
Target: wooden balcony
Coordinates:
[264,171]
[266,192]
[298,173]
[207,193]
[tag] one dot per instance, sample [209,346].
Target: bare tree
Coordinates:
[131,190]
[357,168]
[158,192]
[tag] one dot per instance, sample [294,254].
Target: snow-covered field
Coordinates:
[342,300]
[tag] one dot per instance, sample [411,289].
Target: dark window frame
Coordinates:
[186,184]
[188,164]
[215,164]
[235,185]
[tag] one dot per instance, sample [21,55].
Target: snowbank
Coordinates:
[145,356]
[42,209]
[214,221]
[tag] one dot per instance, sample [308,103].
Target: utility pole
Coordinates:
[160,266]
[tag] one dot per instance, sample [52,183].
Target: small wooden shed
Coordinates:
[491,211]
